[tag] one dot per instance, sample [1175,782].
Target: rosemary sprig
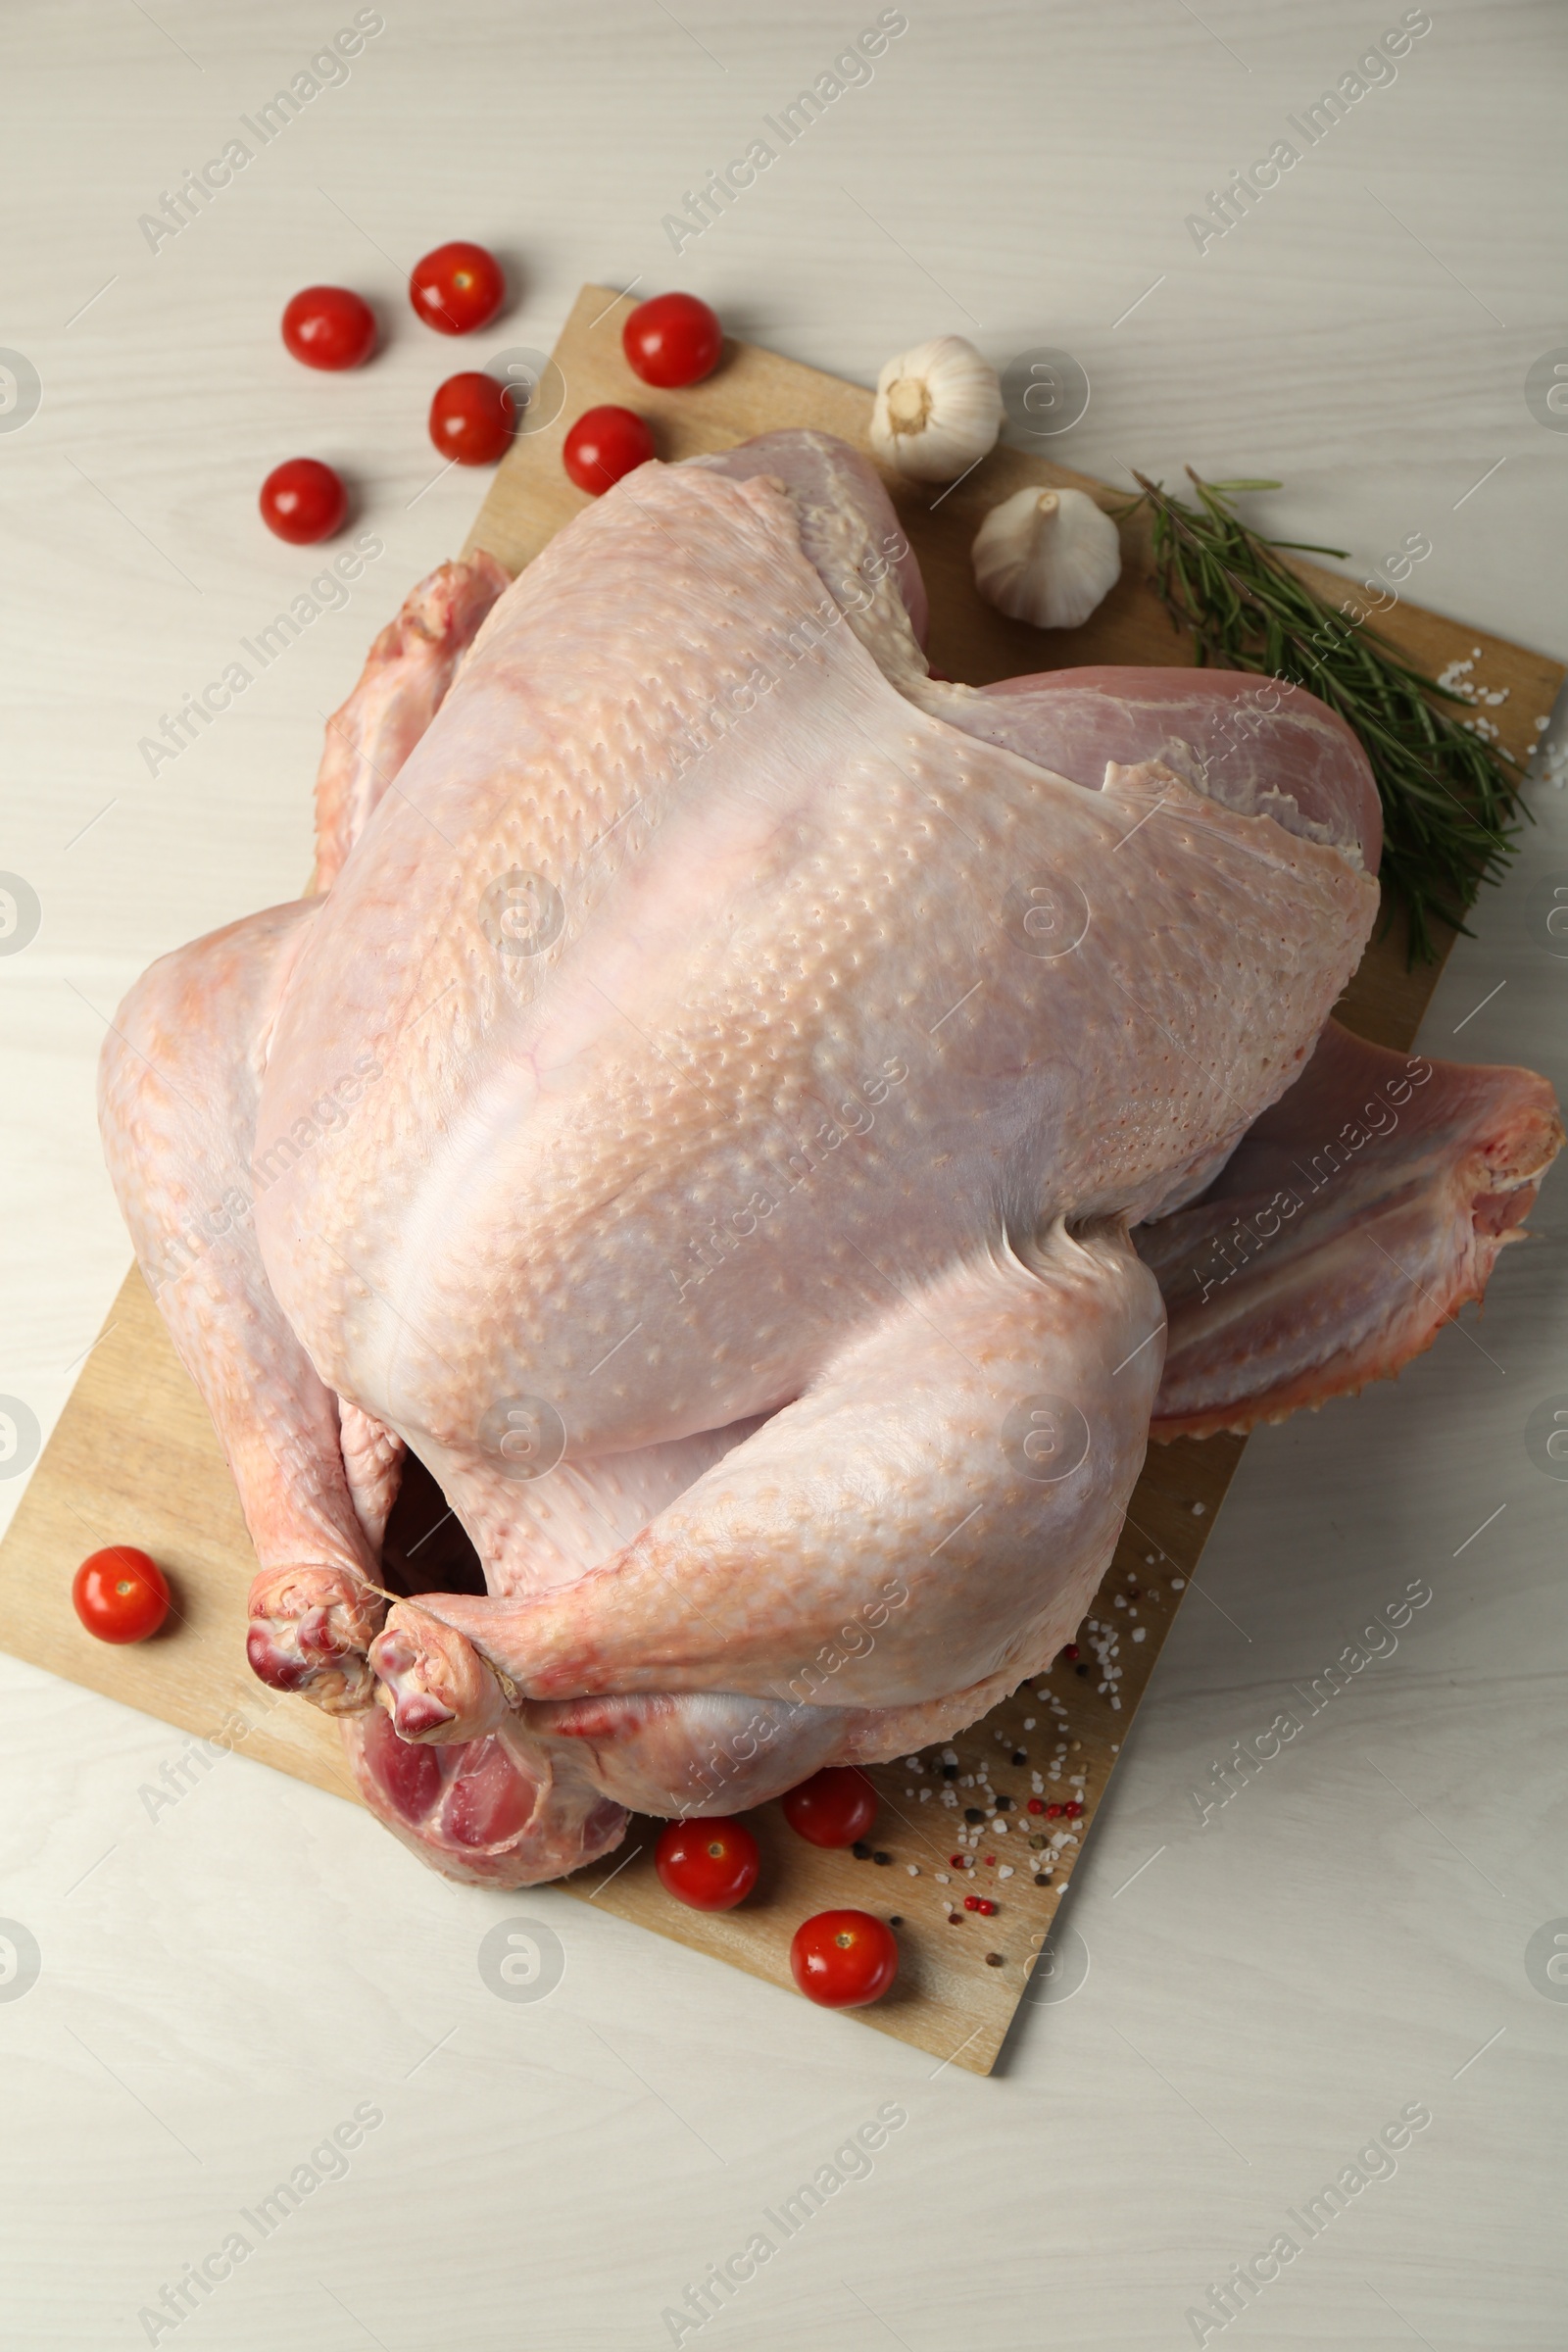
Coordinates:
[1447,795]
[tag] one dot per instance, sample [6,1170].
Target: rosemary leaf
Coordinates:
[1449,795]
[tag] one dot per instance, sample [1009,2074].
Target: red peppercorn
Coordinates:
[990,1861]
[1052,1812]
[1070,1653]
[985,1906]
[1073,1810]
[958,1861]
[1035,1806]
[972,1902]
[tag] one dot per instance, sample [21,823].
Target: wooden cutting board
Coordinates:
[134,1458]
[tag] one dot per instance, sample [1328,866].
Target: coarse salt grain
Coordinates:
[1006,1872]
[914,1869]
[1138,1633]
[943,1878]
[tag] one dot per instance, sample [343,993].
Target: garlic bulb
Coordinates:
[937,410]
[1047,557]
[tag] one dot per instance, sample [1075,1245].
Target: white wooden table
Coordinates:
[227,1978]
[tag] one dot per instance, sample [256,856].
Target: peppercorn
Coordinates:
[1018,1756]
[1070,1653]
[993,1959]
[1053,1813]
[896,1920]
[1042,1878]
[861,1850]
[972,1814]
[1036,1805]
[884,1859]
[1082,1670]
[1004,1804]
[1072,1810]
[950,1772]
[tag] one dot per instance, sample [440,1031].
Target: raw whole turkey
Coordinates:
[770,1131]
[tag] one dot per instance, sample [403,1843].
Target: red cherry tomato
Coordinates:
[472,418]
[457,288]
[834,1807]
[120,1594]
[602,444]
[843,1959]
[711,1865]
[303,501]
[329,326]
[675,339]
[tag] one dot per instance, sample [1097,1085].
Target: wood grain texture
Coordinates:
[135,1457]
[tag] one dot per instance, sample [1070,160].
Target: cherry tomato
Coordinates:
[602,444]
[675,339]
[329,326]
[303,501]
[834,1807]
[120,1594]
[472,418]
[457,288]
[843,1959]
[711,1865]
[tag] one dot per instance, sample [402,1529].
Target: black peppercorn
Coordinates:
[973,1813]
[861,1850]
